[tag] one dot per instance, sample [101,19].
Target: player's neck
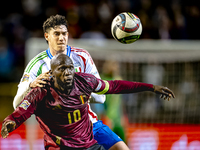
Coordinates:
[62,89]
[54,52]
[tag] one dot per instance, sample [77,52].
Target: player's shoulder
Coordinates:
[79,51]
[38,60]
[82,74]
[85,76]
[85,80]
[41,56]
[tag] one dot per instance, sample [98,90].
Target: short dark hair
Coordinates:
[53,21]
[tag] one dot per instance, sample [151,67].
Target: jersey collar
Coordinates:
[68,52]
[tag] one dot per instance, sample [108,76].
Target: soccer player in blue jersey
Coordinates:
[61,107]
[36,72]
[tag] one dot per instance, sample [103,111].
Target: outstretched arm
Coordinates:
[125,87]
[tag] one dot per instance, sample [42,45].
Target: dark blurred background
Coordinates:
[162,20]
[22,19]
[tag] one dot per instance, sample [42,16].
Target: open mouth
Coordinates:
[68,80]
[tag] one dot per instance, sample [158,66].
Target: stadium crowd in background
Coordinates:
[175,19]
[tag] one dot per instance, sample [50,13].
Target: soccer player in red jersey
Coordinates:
[61,107]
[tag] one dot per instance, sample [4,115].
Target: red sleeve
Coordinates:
[125,87]
[26,108]
[121,87]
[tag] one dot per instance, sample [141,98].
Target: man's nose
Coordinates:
[61,37]
[67,71]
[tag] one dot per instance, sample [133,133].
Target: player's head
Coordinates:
[56,33]
[62,71]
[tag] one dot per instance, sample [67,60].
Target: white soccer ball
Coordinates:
[126,28]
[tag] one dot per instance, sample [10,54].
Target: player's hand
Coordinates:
[164,91]
[40,81]
[7,127]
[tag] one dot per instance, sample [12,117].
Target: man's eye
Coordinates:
[61,69]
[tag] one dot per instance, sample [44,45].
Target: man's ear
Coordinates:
[46,36]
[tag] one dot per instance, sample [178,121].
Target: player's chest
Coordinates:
[75,99]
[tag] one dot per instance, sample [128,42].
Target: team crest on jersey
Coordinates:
[25,78]
[83,99]
[25,104]
[77,67]
[57,107]
[58,140]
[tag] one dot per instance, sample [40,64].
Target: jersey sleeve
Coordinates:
[23,88]
[26,108]
[121,87]
[90,68]
[30,74]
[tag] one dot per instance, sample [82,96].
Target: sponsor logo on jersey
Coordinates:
[25,78]
[25,104]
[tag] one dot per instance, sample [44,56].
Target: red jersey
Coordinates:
[64,118]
